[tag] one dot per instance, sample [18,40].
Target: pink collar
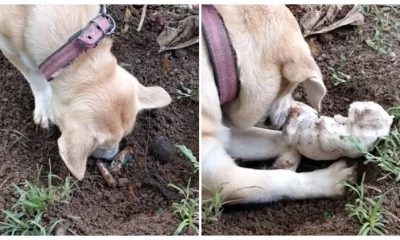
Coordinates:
[99,27]
[222,54]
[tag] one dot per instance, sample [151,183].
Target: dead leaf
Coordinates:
[166,63]
[125,28]
[186,34]
[314,47]
[320,19]
[127,14]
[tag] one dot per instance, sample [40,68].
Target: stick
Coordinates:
[142,17]
[111,182]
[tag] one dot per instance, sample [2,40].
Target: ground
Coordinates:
[95,208]
[375,77]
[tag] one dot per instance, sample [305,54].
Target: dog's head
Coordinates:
[95,117]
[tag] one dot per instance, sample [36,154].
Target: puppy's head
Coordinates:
[101,114]
[369,115]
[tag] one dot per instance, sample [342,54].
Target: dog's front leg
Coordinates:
[244,185]
[41,89]
[260,144]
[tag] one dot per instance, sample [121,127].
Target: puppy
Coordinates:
[325,138]
[93,100]
[272,59]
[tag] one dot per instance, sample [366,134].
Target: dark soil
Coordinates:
[375,77]
[144,204]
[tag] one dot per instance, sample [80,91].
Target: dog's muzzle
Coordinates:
[106,153]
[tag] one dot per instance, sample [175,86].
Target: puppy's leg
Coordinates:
[288,160]
[41,89]
[244,185]
[260,143]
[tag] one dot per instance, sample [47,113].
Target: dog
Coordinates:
[93,100]
[272,59]
[326,138]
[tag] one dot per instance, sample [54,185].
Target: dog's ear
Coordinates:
[75,147]
[315,91]
[152,97]
[308,73]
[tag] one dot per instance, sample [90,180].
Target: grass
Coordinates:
[183,91]
[377,40]
[339,77]
[18,136]
[212,207]
[368,211]
[386,152]
[26,216]
[187,153]
[188,207]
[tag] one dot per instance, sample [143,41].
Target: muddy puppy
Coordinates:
[326,138]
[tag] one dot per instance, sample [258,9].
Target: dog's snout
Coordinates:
[106,153]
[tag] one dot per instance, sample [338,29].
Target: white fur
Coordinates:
[327,138]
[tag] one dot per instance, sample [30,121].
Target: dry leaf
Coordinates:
[314,47]
[186,34]
[320,19]
[127,14]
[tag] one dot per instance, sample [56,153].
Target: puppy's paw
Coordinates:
[285,163]
[335,175]
[289,160]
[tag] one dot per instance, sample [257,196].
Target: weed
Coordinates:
[18,136]
[187,208]
[25,216]
[387,154]
[212,208]
[339,77]
[386,151]
[189,156]
[378,40]
[183,91]
[368,211]
[395,111]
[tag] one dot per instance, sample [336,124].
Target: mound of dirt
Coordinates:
[143,205]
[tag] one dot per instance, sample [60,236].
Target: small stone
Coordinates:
[180,53]
[123,182]
[392,54]
[138,61]
[60,231]
[162,149]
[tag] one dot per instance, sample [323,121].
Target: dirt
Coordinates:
[375,77]
[144,204]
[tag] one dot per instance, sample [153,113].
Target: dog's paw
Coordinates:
[334,176]
[43,114]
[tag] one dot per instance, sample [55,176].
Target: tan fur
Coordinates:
[273,59]
[94,100]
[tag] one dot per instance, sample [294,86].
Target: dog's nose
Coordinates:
[106,153]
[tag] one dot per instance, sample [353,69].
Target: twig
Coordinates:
[72,231]
[4,182]
[142,18]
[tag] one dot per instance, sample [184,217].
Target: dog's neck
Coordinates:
[91,67]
